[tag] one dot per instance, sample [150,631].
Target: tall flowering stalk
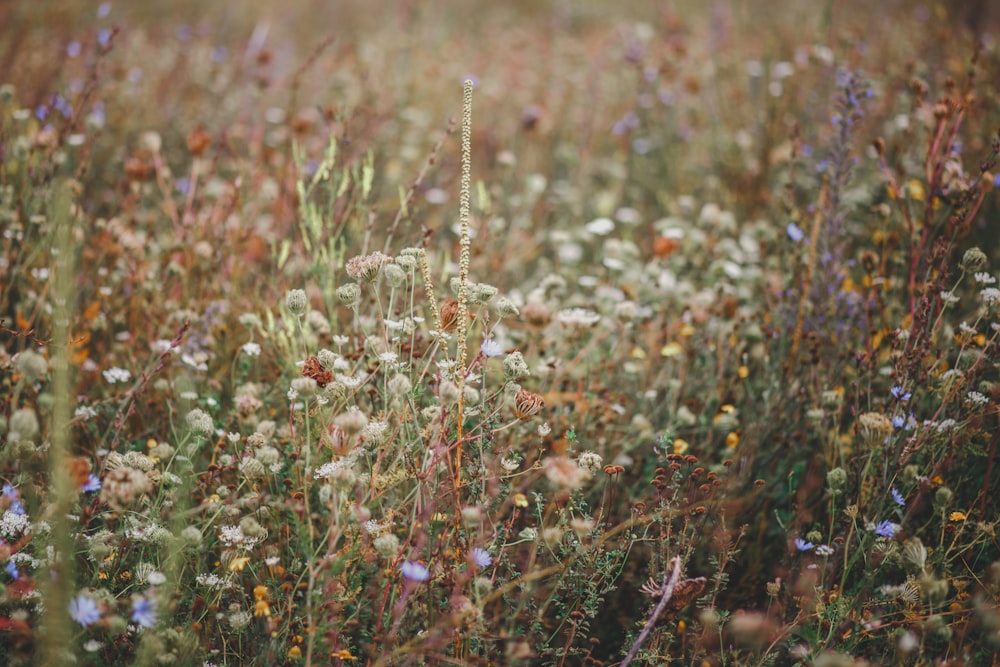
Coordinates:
[463,271]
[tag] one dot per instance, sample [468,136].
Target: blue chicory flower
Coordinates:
[803,545]
[491,348]
[144,612]
[84,611]
[414,571]
[886,528]
[481,557]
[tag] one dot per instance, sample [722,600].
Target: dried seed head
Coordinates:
[527,405]
[449,315]
[367,267]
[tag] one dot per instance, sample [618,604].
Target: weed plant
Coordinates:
[682,349]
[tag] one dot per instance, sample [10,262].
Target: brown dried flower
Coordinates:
[449,315]
[314,369]
[527,404]
[198,141]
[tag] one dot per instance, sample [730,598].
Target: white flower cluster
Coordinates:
[14,524]
[233,536]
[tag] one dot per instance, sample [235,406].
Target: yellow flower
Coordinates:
[520,500]
[262,608]
[295,652]
[670,350]
[680,445]
[917,190]
[743,372]
[343,654]
[957,516]
[260,591]
[732,439]
[237,564]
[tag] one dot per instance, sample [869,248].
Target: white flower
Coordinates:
[213,580]
[374,432]
[600,226]
[233,536]
[509,464]
[13,524]
[113,375]
[251,349]
[976,398]
[350,381]
[990,296]
[984,278]
[577,318]
[85,412]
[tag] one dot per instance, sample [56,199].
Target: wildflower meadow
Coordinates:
[499,333]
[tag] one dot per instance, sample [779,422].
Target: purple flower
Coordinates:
[144,612]
[481,557]
[900,394]
[414,571]
[10,493]
[898,498]
[12,570]
[886,528]
[92,484]
[104,37]
[73,49]
[84,610]
[803,545]
[491,348]
[103,10]
[899,421]
[794,233]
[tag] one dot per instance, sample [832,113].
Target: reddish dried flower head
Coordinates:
[198,142]
[313,369]
[449,315]
[79,470]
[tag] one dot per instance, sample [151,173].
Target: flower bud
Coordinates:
[296,302]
